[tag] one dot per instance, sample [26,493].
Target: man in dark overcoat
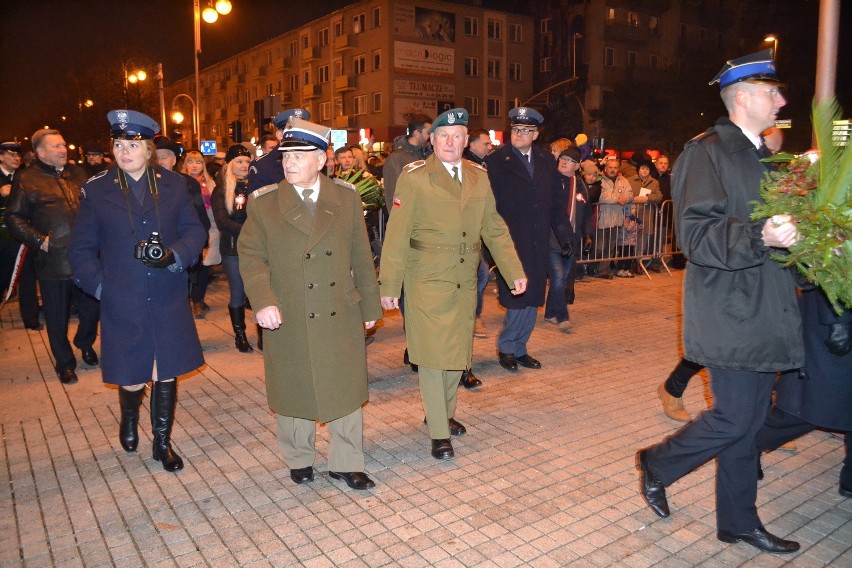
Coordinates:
[740,318]
[819,395]
[528,191]
[147,326]
[308,270]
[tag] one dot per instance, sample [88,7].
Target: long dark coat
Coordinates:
[319,272]
[531,207]
[739,305]
[824,399]
[145,313]
[440,285]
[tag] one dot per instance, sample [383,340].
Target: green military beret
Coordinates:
[452,117]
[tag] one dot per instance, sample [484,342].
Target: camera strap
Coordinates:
[155,194]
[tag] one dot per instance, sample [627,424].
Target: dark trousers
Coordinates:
[679,378]
[726,432]
[57,296]
[558,272]
[27,294]
[518,325]
[781,427]
[199,278]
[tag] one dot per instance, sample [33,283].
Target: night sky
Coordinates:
[42,41]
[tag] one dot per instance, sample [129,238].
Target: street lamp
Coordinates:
[132,77]
[210,15]
[774,39]
[178,116]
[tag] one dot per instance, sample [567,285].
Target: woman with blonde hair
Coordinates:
[229,201]
[194,166]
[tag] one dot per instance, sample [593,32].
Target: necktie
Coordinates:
[528,163]
[456,175]
[572,201]
[309,203]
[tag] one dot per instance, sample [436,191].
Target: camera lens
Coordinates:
[156,253]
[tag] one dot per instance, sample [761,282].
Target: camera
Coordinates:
[151,250]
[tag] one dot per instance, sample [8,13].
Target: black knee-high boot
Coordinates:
[163,403]
[238,321]
[129,402]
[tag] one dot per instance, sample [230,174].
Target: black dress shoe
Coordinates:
[456,427]
[528,362]
[653,491]
[442,449]
[90,357]
[355,479]
[68,377]
[302,475]
[508,361]
[845,490]
[761,539]
[407,362]
[469,381]
[34,326]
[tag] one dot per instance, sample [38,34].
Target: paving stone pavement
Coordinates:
[544,476]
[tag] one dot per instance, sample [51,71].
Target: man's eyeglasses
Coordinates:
[773,92]
[523,130]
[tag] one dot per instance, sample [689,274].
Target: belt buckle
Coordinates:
[463,249]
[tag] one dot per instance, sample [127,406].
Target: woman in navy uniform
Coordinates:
[148,332]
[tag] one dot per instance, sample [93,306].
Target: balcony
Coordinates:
[311,92]
[344,121]
[343,42]
[310,54]
[344,83]
[625,33]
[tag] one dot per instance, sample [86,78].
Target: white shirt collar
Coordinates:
[754,139]
[449,167]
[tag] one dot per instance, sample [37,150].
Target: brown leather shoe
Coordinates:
[672,406]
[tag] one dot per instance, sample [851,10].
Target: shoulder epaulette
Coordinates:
[98,175]
[264,190]
[702,136]
[477,165]
[346,184]
[414,165]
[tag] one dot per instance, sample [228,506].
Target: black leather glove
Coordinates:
[567,250]
[167,260]
[838,341]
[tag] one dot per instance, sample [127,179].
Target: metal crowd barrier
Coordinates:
[639,233]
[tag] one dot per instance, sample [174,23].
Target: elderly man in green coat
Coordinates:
[308,269]
[442,207]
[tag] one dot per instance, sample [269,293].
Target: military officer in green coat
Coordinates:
[308,270]
[442,207]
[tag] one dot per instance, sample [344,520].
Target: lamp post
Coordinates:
[774,39]
[574,38]
[210,15]
[177,116]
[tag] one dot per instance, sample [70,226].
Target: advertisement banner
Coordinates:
[423,59]
[424,23]
[418,89]
[403,108]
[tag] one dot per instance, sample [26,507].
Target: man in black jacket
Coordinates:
[528,191]
[740,318]
[41,212]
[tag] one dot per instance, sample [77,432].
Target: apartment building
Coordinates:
[369,65]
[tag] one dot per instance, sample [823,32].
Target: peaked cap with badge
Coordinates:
[131,125]
[525,115]
[304,136]
[283,118]
[757,67]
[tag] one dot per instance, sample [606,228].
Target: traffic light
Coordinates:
[235,131]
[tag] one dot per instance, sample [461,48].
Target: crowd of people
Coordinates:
[132,245]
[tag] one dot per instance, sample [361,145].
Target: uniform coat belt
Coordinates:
[462,248]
